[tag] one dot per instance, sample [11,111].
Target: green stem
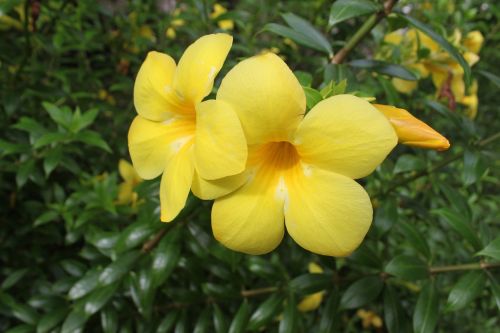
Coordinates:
[464,267]
[363,31]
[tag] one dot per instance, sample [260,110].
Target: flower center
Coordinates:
[280,155]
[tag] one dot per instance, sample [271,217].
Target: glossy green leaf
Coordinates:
[330,314]
[240,320]
[385,68]
[415,238]
[385,216]
[343,10]
[133,235]
[75,321]
[288,324]
[13,278]
[109,320]
[465,290]
[265,312]
[165,257]
[168,322]
[310,283]
[452,51]
[219,320]
[492,249]
[118,269]
[361,292]
[23,328]
[408,268]
[19,310]
[51,319]
[426,312]
[395,318]
[309,31]
[203,323]
[98,298]
[461,225]
[85,285]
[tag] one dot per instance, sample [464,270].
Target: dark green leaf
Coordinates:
[168,322]
[109,320]
[495,288]
[61,116]
[290,316]
[443,43]
[85,285]
[416,239]
[119,268]
[492,249]
[361,292]
[408,268]
[93,139]
[304,27]
[21,311]
[134,235]
[395,318]
[74,321]
[427,309]
[203,323]
[330,316]
[461,225]
[240,320]
[492,77]
[98,298]
[13,278]
[407,163]
[384,68]
[51,160]
[51,319]
[165,257]
[310,283]
[265,312]
[467,288]
[386,216]
[49,138]
[342,10]
[220,320]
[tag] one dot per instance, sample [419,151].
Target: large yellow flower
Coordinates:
[300,169]
[175,134]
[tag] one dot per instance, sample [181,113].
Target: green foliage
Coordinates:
[73,258]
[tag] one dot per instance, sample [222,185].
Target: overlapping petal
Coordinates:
[266,96]
[212,189]
[151,88]
[198,66]
[151,144]
[175,183]
[220,147]
[326,213]
[345,134]
[250,220]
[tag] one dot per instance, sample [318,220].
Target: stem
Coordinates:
[464,267]
[255,292]
[363,31]
[151,244]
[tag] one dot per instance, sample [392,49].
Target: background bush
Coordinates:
[75,258]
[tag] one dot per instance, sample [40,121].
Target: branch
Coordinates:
[363,31]
[464,267]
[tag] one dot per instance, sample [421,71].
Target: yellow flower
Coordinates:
[223,24]
[411,131]
[300,169]
[471,101]
[175,134]
[474,41]
[313,301]
[369,319]
[126,194]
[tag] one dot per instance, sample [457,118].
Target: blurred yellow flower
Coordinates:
[223,24]
[313,301]
[126,194]
[369,319]
[7,22]
[175,134]
[301,169]
[175,23]
[471,101]
[412,131]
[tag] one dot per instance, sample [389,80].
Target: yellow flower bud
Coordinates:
[411,131]
[473,41]
[404,86]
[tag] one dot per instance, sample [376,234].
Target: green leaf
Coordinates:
[74,321]
[109,320]
[165,257]
[85,120]
[13,278]
[98,298]
[313,97]
[220,320]
[333,88]
[330,316]
[467,288]
[408,268]
[427,309]
[62,116]
[49,138]
[25,171]
[119,268]
[310,283]
[395,318]
[168,322]
[415,238]
[134,235]
[240,321]
[342,10]
[85,285]
[309,31]
[23,328]
[51,319]
[305,79]
[21,311]
[461,225]
[492,77]
[290,316]
[93,139]
[495,288]
[453,52]
[361,292]
[203,322]
[492,249]
[51,160]
[386,216]
[384,68]
[406,163]
[263,268]
[265,312]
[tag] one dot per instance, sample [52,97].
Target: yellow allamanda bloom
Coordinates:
[126,194]
[313,301]
[301,169]
[369,319]
[223,24]
[175,134]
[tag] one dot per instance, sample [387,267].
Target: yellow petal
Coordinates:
[125,193]
[411,131]
[311,302]
[327,213]
[199,65]
[127,171]
[394,37]
[250,220]
[152,143]
[175,184]
[404,86]
[220,147]
[471,58]
[266,96]
[345,134]
[213,189]
[473,41]
[151,98]
[314,268]
[458,86]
